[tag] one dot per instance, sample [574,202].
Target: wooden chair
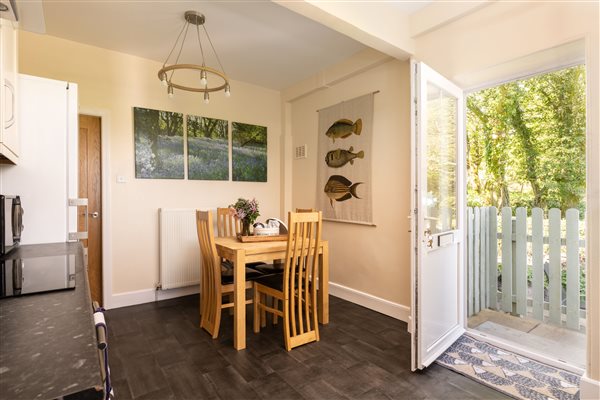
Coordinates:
[213,284]
[303,210]
[296,290]
[229,225]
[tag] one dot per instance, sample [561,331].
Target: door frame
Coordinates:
[511,77]
[105,215]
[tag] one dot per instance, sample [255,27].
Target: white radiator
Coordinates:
[179,248]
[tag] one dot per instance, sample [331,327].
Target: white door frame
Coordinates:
[491,339]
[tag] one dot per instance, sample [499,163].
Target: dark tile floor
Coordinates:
[157,351]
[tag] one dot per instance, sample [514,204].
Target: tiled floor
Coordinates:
[157,351]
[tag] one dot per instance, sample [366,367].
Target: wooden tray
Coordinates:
[261,238]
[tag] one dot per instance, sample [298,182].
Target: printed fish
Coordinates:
[339,157]
[339,188]
[343,128]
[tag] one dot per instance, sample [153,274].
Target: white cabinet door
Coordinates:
[437,309]
[46,176]
[9,133]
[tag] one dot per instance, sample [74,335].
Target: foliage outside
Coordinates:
[526,143]
[526,148]
[249,152]
[441,161]
[208,148]
[158,144]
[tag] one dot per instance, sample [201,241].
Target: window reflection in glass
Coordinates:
[440,196]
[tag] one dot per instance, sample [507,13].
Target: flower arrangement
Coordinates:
[246,211]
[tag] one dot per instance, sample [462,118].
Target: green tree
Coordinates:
[526,142]
[249,135]
[210,128]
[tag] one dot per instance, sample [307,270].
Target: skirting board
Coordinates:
[148,296]
[589,389]
[369,301]
[378,304]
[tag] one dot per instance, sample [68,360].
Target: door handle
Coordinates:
[428,238]
[10,121]
[95,214]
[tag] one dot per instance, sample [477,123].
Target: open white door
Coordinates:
[437,303]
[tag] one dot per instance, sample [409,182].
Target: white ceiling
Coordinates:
[257,41]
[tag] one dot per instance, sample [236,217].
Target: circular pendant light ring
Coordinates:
[163,73]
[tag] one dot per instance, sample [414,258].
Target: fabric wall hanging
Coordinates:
[344,191]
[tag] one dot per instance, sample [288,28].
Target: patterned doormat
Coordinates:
[512,374]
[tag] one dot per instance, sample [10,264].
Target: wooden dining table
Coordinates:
[240,253]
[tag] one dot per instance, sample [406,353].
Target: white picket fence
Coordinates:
[522,247]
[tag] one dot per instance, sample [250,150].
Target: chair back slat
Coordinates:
[289,276]
[227,224]
[210,298]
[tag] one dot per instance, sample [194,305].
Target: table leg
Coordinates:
[323,295]
[239,308]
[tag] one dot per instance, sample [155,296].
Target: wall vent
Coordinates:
[301,152]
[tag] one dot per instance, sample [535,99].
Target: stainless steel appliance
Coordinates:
[22,276]
[11,223]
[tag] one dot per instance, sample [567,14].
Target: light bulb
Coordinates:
[203,80]
[163,80]
[170,92]
[206,98]
[227,90]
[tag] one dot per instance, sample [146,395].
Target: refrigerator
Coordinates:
[46,176]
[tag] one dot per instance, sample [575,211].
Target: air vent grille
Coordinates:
[301,152]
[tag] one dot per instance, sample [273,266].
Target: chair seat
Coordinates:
[274,281]
[226,264]
[227,276]
[267,269]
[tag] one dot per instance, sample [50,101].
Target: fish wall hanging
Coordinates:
[339,157]
[344,161]
[339,188]
[342,128]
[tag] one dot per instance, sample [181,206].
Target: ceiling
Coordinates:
[258,41]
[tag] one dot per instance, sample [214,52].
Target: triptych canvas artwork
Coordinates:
[159,147]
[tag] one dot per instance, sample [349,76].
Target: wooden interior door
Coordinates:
[90,187]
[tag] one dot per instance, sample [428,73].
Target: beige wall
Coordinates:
[502,32]
[115,82]
[374,260]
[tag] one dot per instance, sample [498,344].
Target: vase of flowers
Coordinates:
[247,212]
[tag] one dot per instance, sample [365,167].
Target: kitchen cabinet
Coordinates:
[9,130]
[47,174]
